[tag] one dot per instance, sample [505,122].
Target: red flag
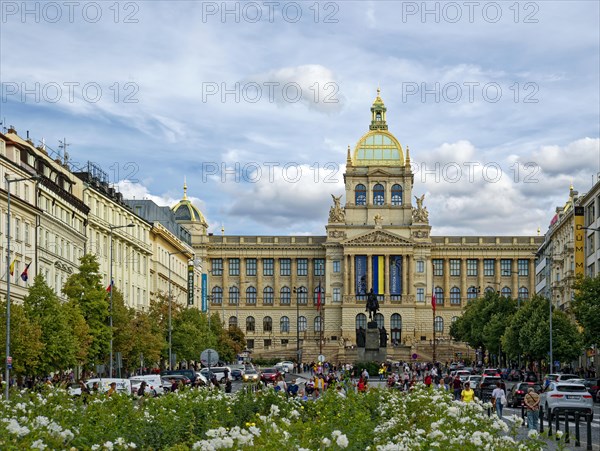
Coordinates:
[433,301]
[319,297]
[24,275]
[109,288]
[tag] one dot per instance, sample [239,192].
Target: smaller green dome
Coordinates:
[186,211]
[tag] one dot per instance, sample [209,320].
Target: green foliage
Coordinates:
[586,308]
[85,288]
[372,368]
[26,344]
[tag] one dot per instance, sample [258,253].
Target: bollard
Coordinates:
[567,427]
[523,412]
[577,436]
[549,423]
[556,424]
[588,419]
[541,419]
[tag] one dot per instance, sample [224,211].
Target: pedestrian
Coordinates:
[532,404]
[112,390]
[228,386]
[499,399]
[456,386]
[292,389]
[467,395]
[142,389]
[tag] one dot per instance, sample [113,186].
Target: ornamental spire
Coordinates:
[378,110]
[184,188]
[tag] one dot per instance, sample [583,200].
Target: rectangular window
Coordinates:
[268,266]
[420,266]
[505,267]
[26,227]
[438,267]
[472,267]
[337,294]
[250,343]
[302,266]
[337,266]
[217,266]
[454,267]
[17,229]
[285,266]
[234,266]
[319,266]
[523,267]
[488,267]
[267,343]
[250,266]
[420,294]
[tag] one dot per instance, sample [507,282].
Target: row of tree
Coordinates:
[49,335]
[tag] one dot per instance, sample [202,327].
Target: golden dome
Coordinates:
[186,211]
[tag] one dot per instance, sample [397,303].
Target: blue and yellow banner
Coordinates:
[360,271]
[395,274]
[378,282]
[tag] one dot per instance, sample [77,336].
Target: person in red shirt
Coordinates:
[428,380]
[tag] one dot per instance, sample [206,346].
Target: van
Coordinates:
[123,385]
[153,383]
[190,374]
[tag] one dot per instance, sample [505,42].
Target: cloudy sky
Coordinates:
[256,102]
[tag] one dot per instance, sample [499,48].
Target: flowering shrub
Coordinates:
[207,420]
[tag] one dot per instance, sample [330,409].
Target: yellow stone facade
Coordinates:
[268,285]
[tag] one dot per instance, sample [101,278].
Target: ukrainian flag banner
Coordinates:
[378,282]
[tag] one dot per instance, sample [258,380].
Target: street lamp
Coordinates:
[8,358]
[170,298]
[298,291]
[111,228]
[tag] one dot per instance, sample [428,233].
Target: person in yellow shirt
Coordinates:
[467,395]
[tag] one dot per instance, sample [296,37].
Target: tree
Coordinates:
[25,339]
[159,317]
[191,334]
[43,307]
[85,288]
[145,342]
[586,308]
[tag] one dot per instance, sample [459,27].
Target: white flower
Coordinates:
[14,427]
[95,447]
[533,433]
[274,409]
[120,441]
[41,421]
[559,434]
[39,444]
[109,445]
[342,441]
[326,441]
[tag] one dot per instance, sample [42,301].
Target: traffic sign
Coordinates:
[321,358]
[415,356]
[9,360]
[209,357]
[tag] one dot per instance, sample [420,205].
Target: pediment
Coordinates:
[378,237]
[378,172]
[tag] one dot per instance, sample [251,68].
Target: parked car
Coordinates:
[123,385]
[190,374]
[250,376]
[487,386]
[567,396]
[529,376]
[167,381]
[153,384]
[593,385]
[463,375]
[287,366]
[474,380]
[514,375]
[491,372]
[517,393]
[237,374]
[222,373]
[269,375]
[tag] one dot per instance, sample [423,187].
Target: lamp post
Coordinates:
[170,300]
[8,182]
[111,228]
[298,291]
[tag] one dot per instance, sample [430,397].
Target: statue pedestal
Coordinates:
[372,352]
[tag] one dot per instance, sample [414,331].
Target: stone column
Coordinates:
[531,266]
[310,282]
[352,277]
[259,284]
[411,275]
[497,274]
[446,285]
[463,279]
[480,284]
[515,278]
[225,281]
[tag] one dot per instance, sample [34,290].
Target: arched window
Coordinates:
[471,293]
[379,319]
[396,328]
[455,296]
[439,295]
[217,295]
[250,324]
[454,319]
[318,324]
[361,321]
[360,194]
[284,324]
[268,296]
[285,295]
[378,194]
[438,323]
[396,195]
[267,324]
[302,324]
[234,295]
[232,321]
[506,292]
[316,295]
[523,293]
[489,290]
[302,295]
[251,295]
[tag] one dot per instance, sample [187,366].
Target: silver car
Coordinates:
[567,396]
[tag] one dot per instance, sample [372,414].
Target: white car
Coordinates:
[153,383]
[287,366]
[568,396]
